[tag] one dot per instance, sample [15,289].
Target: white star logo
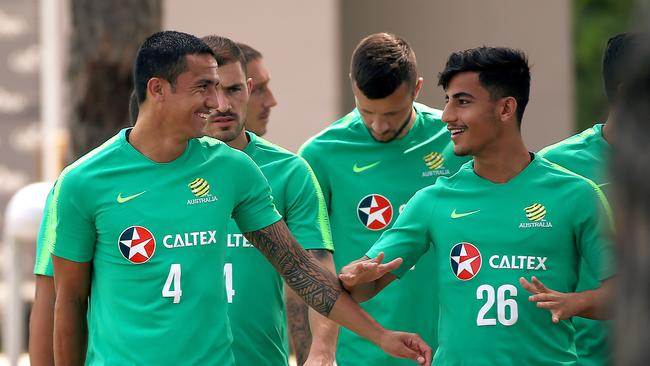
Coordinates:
[137,248]
[377,215]
[465,265]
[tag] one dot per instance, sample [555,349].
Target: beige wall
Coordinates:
[299,40]
[307,46]
[437,28]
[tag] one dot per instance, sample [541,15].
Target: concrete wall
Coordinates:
[300,43]
[437,28]
[307,47]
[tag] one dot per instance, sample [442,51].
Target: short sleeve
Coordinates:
[593,233]
[70,231]
[410,236]
[313,159]
[306,212]
[43,262]
[254,207]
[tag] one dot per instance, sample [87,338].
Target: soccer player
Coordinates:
[504,217]
[136,231]
[249,277]
[588,154]
[369,163]
[261,100]
[259,110]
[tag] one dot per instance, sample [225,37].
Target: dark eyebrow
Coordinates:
[462,95]
[207,81]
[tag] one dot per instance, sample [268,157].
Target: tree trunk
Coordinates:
[105,38]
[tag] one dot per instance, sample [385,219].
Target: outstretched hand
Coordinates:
[561,305]
[406,345]
[367,270]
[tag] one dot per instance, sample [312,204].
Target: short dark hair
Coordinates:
[225,51]
[615,60]
[382,62]
[163,55]
[134,107]
[502,71]
[250,53]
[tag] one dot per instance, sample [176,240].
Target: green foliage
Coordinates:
[595,21]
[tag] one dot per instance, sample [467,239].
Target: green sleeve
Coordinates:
[254,207]
[313,158]
[410,236]
[306,213]
[70,232]
[593,232]
[43,262]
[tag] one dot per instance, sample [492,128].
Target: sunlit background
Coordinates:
[65,69]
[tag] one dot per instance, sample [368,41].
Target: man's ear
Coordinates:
[507,109]
[156,89]
[417,88]
[250,85]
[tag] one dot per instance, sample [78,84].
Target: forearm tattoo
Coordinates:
[317,286]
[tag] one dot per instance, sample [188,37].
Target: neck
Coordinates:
[406,127]
[608,129]
[240,142]
[501,163]
[151,139]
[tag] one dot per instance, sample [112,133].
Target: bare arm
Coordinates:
[41,323]
[72,283]
[324,332]
[365,277]
[592,304]
[321,290]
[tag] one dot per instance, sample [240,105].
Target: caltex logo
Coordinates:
[375,211]
[137,244]
[465,261]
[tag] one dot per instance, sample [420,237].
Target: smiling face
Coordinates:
[192,97]
[385,117]
[471,115]
[227,122]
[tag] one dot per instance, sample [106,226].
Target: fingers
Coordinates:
[543,297]
[390,266]
[379,258]
[527,285]
[539,285]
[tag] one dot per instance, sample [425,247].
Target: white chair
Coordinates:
[22,220]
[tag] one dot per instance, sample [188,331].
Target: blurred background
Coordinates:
[65,71]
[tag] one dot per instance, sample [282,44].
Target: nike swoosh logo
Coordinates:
[121,199]
[359,169]
[602,185]
[455,215]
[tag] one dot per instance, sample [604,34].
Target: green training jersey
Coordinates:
[540,223]
[43,262]
[366,184]
[587,154]
[254,288]
[154,233]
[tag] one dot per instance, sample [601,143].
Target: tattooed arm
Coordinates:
[321,290]
[312,335]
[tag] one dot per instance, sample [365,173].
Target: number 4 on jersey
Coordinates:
[227,275]
[173,280]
